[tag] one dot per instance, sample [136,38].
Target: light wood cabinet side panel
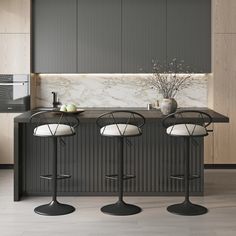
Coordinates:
[224,16]
[225,97]
[7,137]
[209,147]
[5,155]
[209,140]
[15,53]
[14,16]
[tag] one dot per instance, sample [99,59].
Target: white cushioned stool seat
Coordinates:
[120,130]
[186,130]
[56,130]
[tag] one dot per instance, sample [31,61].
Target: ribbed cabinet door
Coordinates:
[143,34]
[54,36]
[189,33]
[99,36]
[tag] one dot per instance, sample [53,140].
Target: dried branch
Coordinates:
[170,78]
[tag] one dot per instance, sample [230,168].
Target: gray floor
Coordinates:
[18,218]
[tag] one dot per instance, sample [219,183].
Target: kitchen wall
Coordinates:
[15,36]
[112,90]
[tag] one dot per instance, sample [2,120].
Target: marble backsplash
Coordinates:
[111,90]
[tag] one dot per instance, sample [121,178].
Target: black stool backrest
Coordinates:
[121,117]
[54,117]
[186,117]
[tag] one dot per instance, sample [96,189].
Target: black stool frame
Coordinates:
[120,207]
[43,117]
[187,208]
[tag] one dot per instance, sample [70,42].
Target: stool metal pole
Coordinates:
[186,174]
[121,171]
[54,171]
[121,208]
[187,208]
[54,207]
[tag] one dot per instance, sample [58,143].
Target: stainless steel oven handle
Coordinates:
[13,84]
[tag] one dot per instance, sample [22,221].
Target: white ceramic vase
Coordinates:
[168,106]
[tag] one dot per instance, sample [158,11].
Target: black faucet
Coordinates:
[55,101]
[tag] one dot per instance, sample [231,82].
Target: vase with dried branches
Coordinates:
[168,80]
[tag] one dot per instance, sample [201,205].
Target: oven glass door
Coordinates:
[14,89]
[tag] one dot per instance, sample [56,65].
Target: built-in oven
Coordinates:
[14,93]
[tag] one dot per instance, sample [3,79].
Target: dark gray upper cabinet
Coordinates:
[114,36]
[189,33]
[143,34]
[54,36]
[99,36]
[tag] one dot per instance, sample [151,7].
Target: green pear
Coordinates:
[71,108]
[63,108]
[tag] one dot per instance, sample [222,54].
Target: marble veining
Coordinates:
[112,90]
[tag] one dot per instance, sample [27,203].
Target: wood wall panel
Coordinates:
[208,141]
[6,141]
[14,16]
[14,59]
[225,97]
[14,53]
[225,16]
[224,82]
[209,147]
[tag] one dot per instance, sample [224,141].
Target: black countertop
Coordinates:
[93,113]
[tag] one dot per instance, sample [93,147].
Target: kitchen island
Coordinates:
[88,157]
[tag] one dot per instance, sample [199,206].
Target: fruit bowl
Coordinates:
[73,112]
[70,108]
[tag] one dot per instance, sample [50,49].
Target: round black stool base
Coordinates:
[121,209]
[54,208]
[187,209]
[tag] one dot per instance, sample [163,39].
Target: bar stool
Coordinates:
[120,124]
[181,125]
[54,125]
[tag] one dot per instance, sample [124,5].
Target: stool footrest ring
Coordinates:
[115,177]
[127,177]
[111,177]
[181,177]
[59,177]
